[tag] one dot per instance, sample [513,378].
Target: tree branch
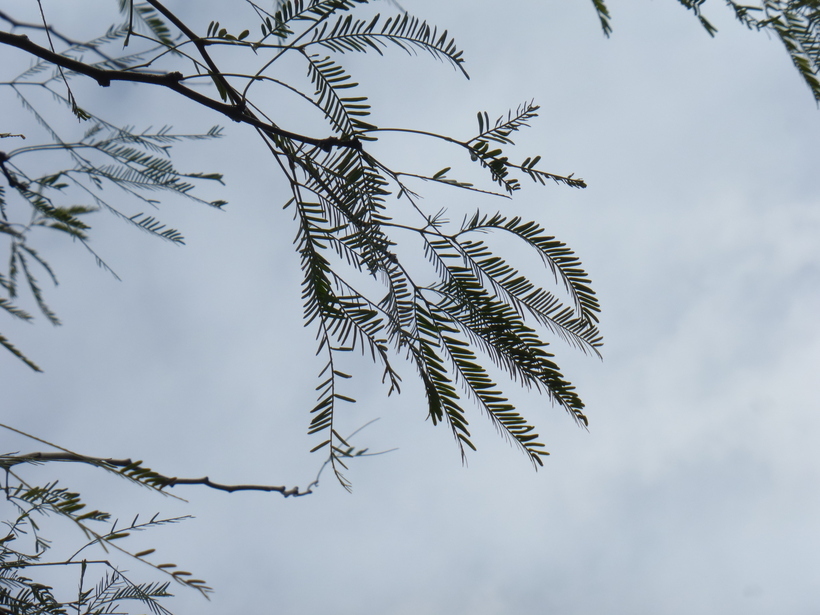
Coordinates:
[201,47]
[156,480]
[172,81]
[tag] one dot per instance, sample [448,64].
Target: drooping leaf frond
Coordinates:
[406,32]
[24,550]
[563,263]
[330,81]
[21,256]
[5,343]
[797,24]
[501,332]
[486,392]
[12,309]
[135,162]
[528,299]
[452,305]
[443,400]
[603,15]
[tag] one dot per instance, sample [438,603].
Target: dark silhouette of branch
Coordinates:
[136,471]
[156,480]
[201,46]
[236,112]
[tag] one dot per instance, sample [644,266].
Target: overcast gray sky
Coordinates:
[695,489]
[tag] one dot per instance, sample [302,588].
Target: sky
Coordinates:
[695,487]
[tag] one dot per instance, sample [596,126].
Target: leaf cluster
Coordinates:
[25,549]
[105,157]
[479,319]
[796,23]
[345,232]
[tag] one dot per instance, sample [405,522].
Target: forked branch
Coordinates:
[173,81]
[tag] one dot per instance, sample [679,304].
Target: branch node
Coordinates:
[328,144]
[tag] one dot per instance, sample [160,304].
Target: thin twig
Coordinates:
[72,43]
[156,480]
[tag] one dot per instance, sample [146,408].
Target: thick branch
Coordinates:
[172,81]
